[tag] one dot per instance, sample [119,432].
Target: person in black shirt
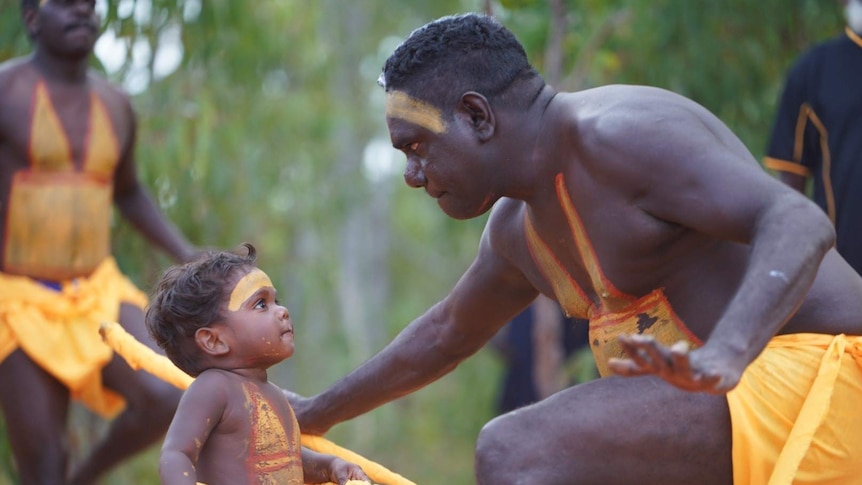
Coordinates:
[818,131]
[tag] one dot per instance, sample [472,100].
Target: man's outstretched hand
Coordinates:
[699,370]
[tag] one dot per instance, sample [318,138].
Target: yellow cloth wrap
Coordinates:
[59,329]
[139,356]
[797,413]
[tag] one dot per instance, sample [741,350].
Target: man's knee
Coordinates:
[497,453]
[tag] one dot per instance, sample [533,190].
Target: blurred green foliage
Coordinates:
[270,129]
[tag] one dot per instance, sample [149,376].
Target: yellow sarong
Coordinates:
[797,413]
[59,330]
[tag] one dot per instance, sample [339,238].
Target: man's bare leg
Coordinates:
[150,407]
[35,406]
[611,431]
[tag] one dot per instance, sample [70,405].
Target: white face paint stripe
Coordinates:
[405,107]
[247,286]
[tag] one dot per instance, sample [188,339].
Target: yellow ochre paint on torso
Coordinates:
[275,453]
[58,222]
[615,313]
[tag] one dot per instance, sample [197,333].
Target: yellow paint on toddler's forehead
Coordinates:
[405,107]
[247,286]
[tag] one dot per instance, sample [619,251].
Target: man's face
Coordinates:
[442,156]
[64,27]
[853,14]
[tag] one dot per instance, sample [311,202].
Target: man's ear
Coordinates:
[30,17]
[479,113]
[209,339]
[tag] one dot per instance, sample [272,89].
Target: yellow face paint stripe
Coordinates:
[247,286]
[405,107]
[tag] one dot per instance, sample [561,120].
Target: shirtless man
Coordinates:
[727,331]
[66,154]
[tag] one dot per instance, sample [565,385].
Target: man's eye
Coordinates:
[413,146]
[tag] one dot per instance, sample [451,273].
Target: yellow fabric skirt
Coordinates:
[797,413]
[59,330]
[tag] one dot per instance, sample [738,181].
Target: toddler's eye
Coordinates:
[260,304]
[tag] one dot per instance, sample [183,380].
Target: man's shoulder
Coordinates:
[610,115]
[505,221]
[12,68]
[107,90]
[619,101]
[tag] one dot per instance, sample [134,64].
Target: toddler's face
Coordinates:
[261,329]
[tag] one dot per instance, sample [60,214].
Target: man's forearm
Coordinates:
[413,360]
[791,241]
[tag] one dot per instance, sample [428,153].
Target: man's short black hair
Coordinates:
[445,58]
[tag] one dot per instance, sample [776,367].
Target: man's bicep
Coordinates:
[489,294]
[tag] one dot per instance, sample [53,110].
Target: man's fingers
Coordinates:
[626,368]
[679,358]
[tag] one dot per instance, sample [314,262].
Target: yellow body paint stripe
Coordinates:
[247,286]
[611,298]
[571,297]
[405,107]
[103,152]
[49,147]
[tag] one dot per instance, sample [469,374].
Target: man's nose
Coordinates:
[413,174]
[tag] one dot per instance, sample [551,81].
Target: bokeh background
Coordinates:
[261,121]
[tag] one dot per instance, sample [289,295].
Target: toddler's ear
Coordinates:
[209,340]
